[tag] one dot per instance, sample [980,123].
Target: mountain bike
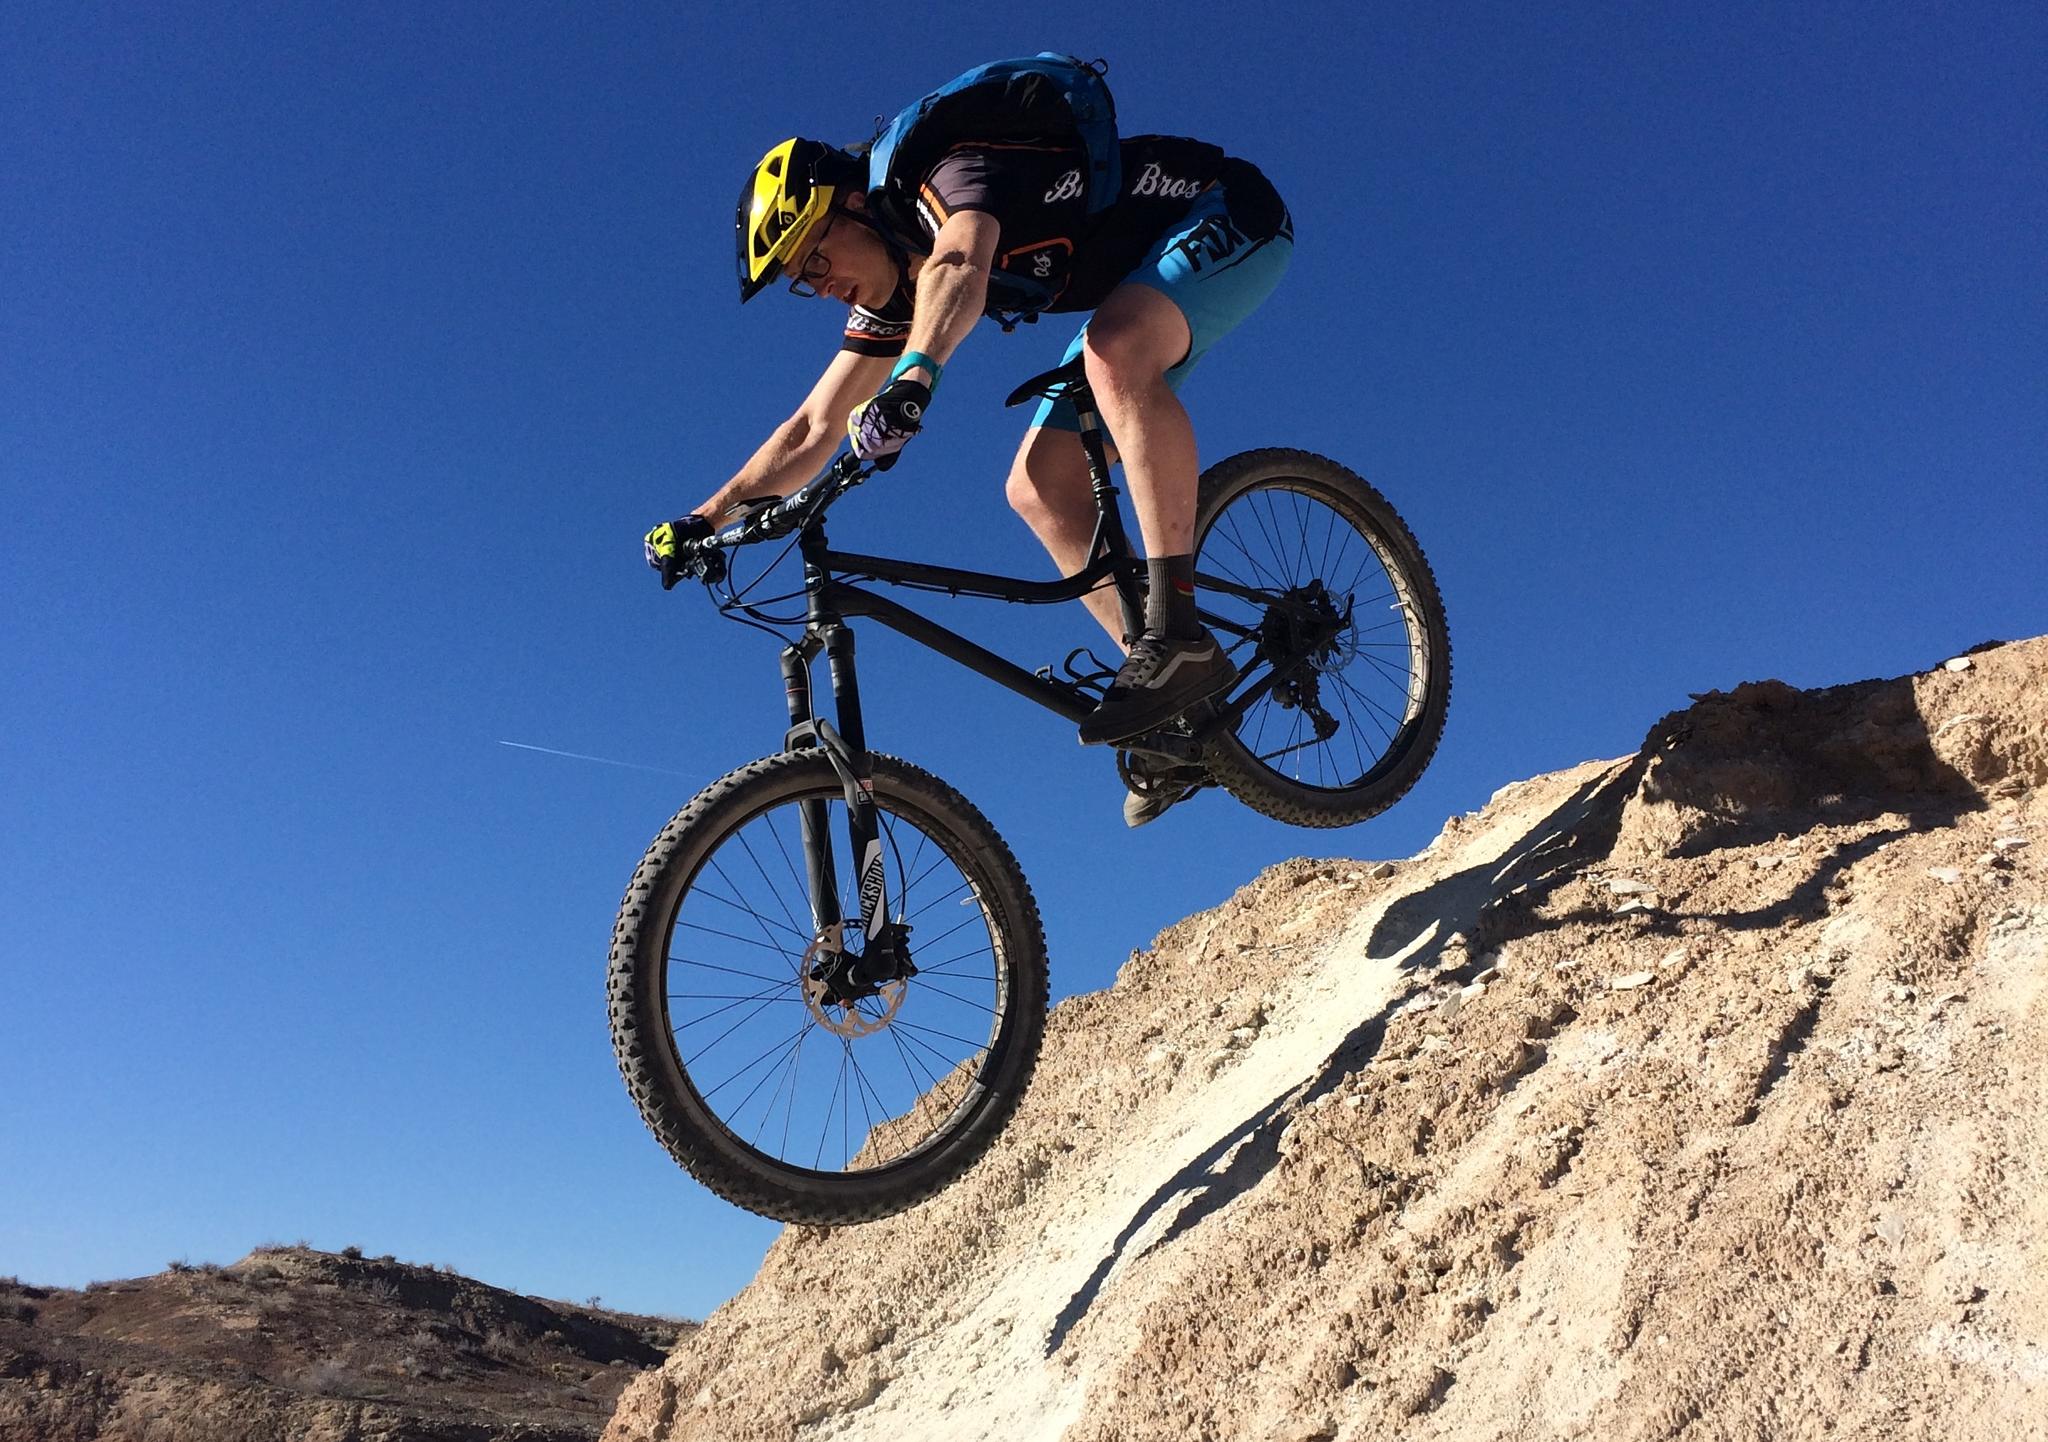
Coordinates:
[828,978]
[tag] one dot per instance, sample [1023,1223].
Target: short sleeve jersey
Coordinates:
[1048,241]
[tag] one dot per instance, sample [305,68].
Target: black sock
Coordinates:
[1170,602]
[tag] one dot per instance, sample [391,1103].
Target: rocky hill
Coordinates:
[1698,1094]
[295,1345]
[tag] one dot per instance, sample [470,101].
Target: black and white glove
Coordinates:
[670,550]
[880,427]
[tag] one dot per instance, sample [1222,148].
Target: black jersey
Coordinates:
[1051,254]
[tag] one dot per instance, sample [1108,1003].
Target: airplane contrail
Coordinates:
[600,760]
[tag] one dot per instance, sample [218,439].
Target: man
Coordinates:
[1192,243]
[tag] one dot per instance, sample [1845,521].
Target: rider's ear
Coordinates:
[855,199]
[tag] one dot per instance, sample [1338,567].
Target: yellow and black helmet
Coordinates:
[784,201]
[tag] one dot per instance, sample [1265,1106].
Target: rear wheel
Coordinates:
[763,1071]
[1308,577]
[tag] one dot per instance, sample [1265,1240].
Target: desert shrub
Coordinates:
[17,1309]
[354,1254]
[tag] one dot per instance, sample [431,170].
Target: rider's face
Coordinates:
[847,261]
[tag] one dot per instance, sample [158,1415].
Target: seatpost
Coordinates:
[1091,443]
[1109,525]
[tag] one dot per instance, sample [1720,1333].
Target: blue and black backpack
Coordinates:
[1043,97]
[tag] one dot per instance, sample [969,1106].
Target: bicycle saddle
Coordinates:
[1066,380]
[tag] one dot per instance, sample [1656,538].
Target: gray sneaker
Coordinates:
[1159,679]
[1154,791]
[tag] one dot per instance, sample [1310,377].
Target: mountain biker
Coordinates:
[1193,242]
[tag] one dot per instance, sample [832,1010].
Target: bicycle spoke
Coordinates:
[776,891]
[964,1001]
[729,971]
[707,1048]
[758,919]
[933,1031]
[710,895]
[782,951]
[778,1046]
[825,1127]
[965,885]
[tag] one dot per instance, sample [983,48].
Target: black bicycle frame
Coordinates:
[832,602]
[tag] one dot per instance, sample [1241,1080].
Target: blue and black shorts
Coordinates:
[1217,264]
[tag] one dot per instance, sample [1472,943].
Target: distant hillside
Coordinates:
[1699,1094]
[294,1345]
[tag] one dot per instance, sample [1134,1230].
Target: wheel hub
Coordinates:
[833,979]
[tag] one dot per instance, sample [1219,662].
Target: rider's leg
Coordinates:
[1134,338]
[1049,487]
[1196,285]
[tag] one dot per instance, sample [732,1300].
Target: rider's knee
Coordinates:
[1022,492]
[1044,475]
[1133,340]
[1120,358]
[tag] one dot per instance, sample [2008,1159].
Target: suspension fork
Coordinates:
[821,875]
[863,825]
[846,747]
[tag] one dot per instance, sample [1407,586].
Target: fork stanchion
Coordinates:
[815,819]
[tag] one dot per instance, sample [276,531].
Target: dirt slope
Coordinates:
[294,1345]
[1699,1094]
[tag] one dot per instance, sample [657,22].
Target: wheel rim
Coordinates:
[1286,538]
[783,1068]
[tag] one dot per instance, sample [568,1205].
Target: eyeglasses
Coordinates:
[817,265]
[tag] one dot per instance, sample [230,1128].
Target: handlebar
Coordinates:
[779,518]
[773,518]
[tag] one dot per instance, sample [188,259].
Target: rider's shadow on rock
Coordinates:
[1236,1162]
[1738,768]
[1243,1154]
[1414,929]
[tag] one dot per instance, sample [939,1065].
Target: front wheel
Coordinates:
[1323,598]
[764,1081]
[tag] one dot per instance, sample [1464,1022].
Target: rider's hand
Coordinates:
[880,427]
[668,549]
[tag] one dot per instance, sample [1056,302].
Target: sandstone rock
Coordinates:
[1722,1206]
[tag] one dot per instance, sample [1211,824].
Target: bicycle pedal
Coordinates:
[1163,747]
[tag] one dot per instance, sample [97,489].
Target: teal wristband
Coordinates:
[919,358]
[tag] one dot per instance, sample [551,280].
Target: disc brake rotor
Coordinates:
[827,1008]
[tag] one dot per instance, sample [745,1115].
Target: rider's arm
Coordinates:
[953,286]
[798,448]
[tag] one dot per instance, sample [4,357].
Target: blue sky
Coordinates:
[347,352]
